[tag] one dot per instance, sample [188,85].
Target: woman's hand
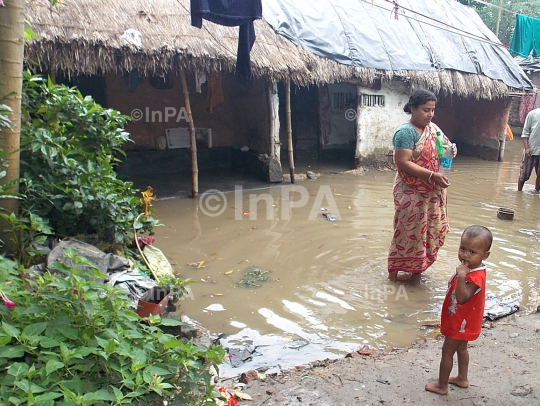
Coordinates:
[454,150]
[440,180]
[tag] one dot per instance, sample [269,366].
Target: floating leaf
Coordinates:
[217,294]
[229,272]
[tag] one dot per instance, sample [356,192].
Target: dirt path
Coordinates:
[504,370]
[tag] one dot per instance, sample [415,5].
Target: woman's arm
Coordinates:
[404,164]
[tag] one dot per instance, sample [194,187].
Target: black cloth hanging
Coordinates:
[231,13]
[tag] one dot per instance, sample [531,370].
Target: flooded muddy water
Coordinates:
[327,291]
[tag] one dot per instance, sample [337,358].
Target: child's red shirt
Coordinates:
[464,322]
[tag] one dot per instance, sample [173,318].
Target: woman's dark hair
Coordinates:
[419,97]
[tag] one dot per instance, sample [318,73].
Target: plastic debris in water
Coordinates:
[330,216]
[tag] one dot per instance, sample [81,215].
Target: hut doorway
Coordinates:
[321,130]
[304,123]
[337,110]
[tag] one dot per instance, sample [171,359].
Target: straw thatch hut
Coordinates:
[128,55]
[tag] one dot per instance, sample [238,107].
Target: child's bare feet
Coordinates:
[436,387]
[456,380]
[392,276]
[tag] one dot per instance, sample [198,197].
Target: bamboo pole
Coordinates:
[498,18]
[194,167]
[289,127]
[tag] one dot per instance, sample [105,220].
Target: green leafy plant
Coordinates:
[69,147]
[67,339]
[22,230]
[28,233]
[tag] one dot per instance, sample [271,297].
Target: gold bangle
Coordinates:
[430,175]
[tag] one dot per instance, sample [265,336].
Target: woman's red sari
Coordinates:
[420,219]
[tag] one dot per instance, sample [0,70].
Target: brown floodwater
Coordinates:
[299,287]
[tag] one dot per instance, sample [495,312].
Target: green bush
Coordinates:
[70,340]
[69,147]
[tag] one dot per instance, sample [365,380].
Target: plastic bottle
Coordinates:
[439,142]
[446,160]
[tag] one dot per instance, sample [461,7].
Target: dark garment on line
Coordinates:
[231,13]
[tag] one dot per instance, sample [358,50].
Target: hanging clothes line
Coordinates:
[239,13]
[397,8]
[494,6]
[526,36]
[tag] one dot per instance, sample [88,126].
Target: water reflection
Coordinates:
[328,280]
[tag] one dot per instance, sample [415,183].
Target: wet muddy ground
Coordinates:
[273,273]
[503,371]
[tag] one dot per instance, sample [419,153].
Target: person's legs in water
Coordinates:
[524,171]
[536,159]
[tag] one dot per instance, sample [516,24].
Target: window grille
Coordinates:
[372,100]
[342,101]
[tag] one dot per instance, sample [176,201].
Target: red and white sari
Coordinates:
[420,219]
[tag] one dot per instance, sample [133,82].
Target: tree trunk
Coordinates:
[11,69]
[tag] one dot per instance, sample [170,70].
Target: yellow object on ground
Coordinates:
[509,133]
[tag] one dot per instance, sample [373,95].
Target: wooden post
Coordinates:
[289,127]
[498,18]
[271,115]
[273,106]
[194,167]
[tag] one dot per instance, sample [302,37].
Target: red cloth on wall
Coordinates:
[527,104]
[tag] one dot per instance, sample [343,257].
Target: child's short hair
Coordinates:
[480,231]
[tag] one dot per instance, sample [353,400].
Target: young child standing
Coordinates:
[463,308]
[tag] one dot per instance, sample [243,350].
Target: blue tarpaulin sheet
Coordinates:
[442,34]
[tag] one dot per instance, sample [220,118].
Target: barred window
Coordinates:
[342,101]
[372,100]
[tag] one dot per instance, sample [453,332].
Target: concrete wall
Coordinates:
[376,125]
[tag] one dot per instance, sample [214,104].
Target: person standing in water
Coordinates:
[420,218]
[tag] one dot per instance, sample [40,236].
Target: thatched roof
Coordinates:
[87,37]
